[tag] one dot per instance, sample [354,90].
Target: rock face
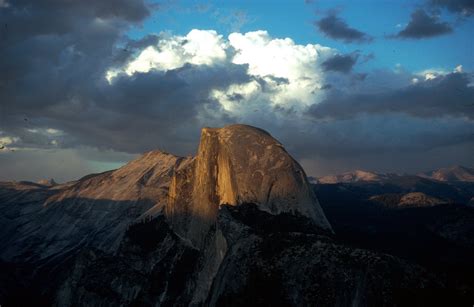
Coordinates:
[238,224]
[235,165]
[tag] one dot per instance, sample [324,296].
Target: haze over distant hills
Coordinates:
[448,174]
[455,173]
[442,186]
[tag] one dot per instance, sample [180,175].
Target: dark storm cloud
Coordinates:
[136,113]
[55,49]
[147,110]
[340,63]
[54,53]
[401,161]
[148,40]
[444,96]
[24,19]
[53,76]
[379,141]
[462,7]
[334,27]
[130,10]
[422,25]
[366,134]
[54,58]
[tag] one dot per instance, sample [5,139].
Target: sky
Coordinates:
[384,86]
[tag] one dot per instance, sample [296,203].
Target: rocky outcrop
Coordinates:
[235,165]
[420,200]
[412,199]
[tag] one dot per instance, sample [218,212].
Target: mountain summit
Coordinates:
[236,165]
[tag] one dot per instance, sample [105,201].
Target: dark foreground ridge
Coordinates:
[237,225]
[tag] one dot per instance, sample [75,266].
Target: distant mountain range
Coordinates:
[443,186]
[354,176]
[449,174]
[455,173]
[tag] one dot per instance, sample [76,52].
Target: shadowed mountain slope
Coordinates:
[238,224]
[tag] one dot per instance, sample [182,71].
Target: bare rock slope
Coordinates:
[39,222]
[235,165]
[236,225]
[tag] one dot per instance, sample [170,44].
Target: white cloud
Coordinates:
[270,59]
[54,131]
[433,73]
[45,131]
[7,140]
[287,75]
[198,47]
[430,76]
[280,58]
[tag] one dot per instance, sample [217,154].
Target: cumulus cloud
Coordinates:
[281,73]
[422,25]
[335,27]
[290,74]
[197,47]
